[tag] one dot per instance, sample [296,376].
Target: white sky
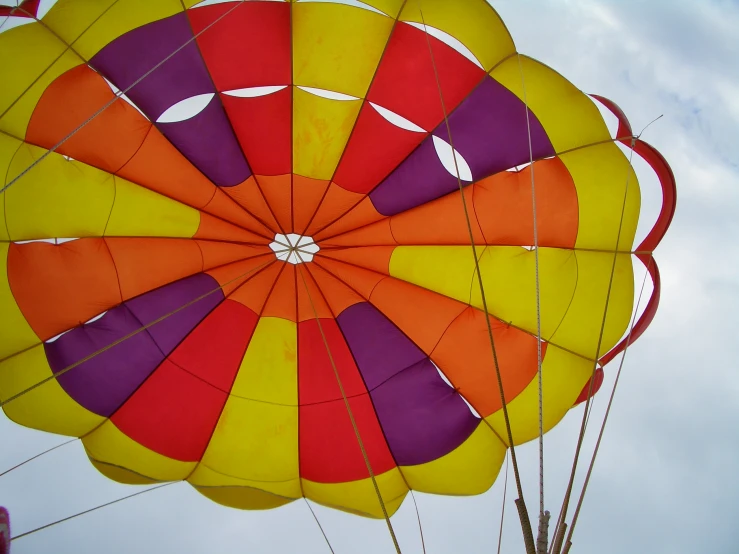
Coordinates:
[666,478]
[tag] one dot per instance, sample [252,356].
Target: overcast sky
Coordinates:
[666,480]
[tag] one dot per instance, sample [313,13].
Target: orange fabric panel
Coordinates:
[360,280]
[338,296]
[144,264]
[282,301]
[58,287]
[278,194]
[439,222]
[108,141]
[254,293]
[305,307]
[248,195]
[503,205]
[220,253]
[376,258]
[424,316]
[371,234]
[465,357]
[225,207]
[214,228]
[336,202]
[160,167]
[232,276]
[307,195]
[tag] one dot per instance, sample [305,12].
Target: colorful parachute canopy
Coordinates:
[4,531]
[273,201]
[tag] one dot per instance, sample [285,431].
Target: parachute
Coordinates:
[4,531]
[287,249]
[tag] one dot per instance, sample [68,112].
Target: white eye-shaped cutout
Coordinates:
[441,374]
[116,90]
[252,92]
[186,109]
[93,319]
[447,155]
[331,95]
[57,337]
[397,120]
[8,22]
[518,168]
[447,39]
[294,249]
[55,240]
[353,3]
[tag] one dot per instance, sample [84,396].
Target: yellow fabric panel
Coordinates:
[390,7]
[8,148]
[15,332]
[569,117]
[15,121]
[243,498]
[140,212]
[70,18]
[580,328]
[269,370]
[122,17]
[359,497]
[473,22]
[121,475]
[108,444]
[448,270]
[254,444]
[57,198]
[337,47]
[20,65]
[469,469]
[563,377]
[47,407]
[321,128]
[509,278]
[601,174]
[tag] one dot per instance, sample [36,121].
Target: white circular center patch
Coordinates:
[294,249]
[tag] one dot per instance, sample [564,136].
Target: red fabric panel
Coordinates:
[329,450]
[250,47]
[375,148]
[175,411]
[316,377]
[263,125]
[405,82]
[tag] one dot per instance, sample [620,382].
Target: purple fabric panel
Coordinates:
[169,332]
[104,382]
[422,417]
[131,55]
[378,346]
[420,178]
[488,130]
[208,141]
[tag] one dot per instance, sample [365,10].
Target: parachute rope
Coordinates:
[319,525]
[542,538]
[116,96]
[78,514]
[133,333]
[559,530]
[350,412]
[47,451]
[418,517]
[608,411]
[502,507]
[525,523]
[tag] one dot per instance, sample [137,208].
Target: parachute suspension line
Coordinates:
[568,542]
[117,95]
[561,525]
[520,504]
[418,517]
[78,514]
[319,525]
[350,412]
[133,333]
[502,507]
[38,456]
[542,539]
